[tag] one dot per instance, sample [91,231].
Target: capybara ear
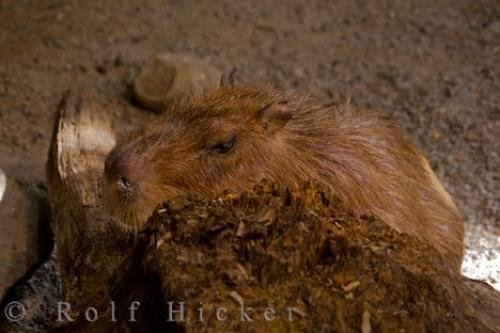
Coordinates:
[274,116]
[227,78]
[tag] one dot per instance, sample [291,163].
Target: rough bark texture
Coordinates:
[89,248]
[300,253]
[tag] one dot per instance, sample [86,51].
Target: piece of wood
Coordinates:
[90,248]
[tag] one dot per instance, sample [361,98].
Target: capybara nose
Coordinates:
[123,184]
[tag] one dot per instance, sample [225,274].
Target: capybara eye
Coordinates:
[225,146]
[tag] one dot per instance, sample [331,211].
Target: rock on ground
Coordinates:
[168,77]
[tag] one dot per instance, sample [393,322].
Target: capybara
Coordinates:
[234,137]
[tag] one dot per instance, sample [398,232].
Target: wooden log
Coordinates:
[90,248]
[299,259]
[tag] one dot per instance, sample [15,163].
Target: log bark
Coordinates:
[90,248]
[300,253]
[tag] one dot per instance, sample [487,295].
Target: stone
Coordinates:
[170,76]
[3,184]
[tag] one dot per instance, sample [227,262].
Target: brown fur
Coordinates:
[362,155]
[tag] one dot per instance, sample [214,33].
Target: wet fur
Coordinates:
[362,155]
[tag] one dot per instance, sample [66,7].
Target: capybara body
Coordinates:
[236,136]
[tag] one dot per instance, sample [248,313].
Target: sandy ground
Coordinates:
[433,65]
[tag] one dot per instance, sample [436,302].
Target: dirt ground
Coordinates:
[433,65]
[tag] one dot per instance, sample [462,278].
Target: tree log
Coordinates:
[270,260]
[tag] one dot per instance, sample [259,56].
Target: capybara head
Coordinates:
[227,140]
